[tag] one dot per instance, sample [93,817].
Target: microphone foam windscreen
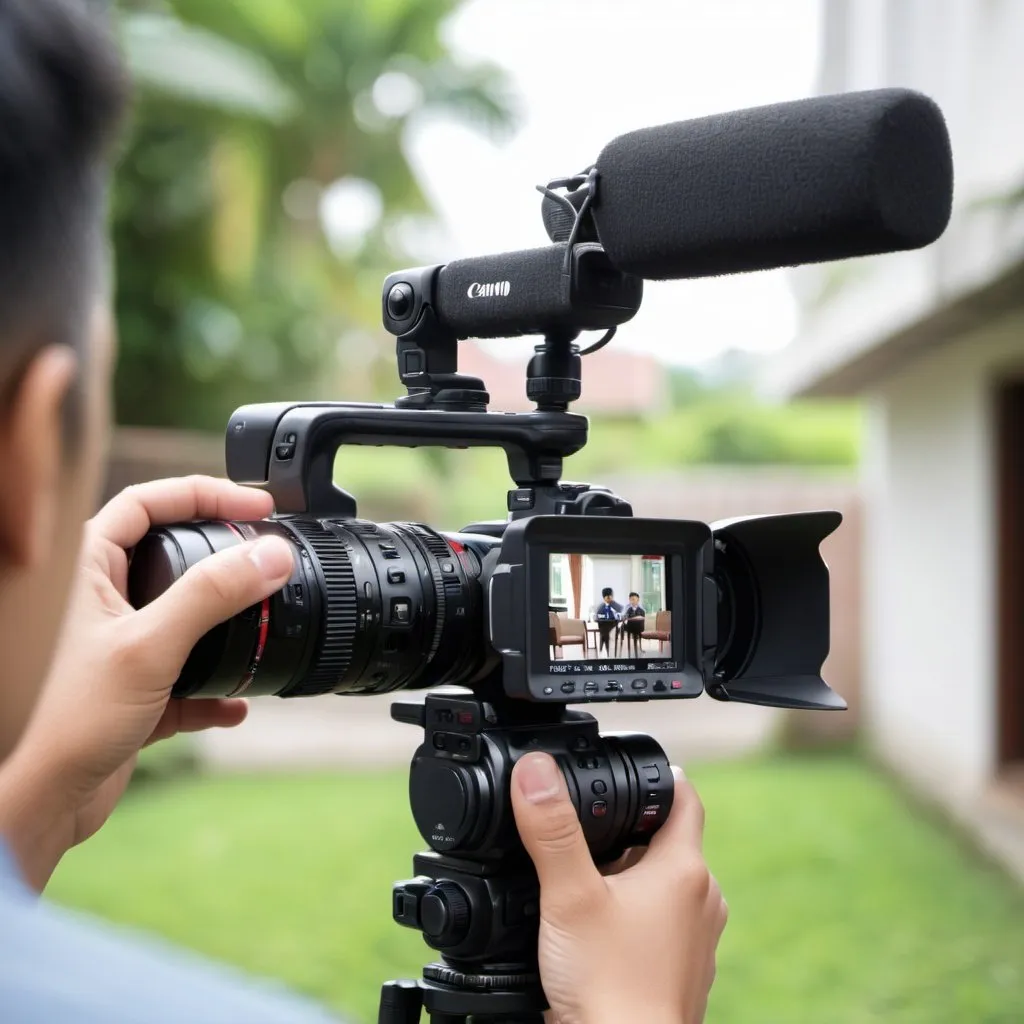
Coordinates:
[802,182]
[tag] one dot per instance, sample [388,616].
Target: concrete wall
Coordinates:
[965,54]
[930,563]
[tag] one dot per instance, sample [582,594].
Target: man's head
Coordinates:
[62,92]
[607,595]
[634,598]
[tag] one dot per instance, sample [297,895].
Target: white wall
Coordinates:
[965,54]
[929,617]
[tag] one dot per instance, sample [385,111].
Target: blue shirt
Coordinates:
[58,967]
[608,611]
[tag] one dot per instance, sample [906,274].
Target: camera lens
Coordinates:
[370,608]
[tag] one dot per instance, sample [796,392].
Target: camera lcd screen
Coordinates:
[608,611]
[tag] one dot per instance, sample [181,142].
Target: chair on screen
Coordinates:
[662,631]
[565,632]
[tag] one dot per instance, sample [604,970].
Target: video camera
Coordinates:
[739,609]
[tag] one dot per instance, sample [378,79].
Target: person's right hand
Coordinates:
[638,944]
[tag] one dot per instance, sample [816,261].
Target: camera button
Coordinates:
[652,773]
[401,612]
[396,576]
[590,687]
[599,788]
[598,808]
[568,687]
[639,684]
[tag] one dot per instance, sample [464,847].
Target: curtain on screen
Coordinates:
[576,576]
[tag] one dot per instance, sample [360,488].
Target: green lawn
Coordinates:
[847,906]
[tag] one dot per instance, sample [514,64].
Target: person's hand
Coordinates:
[636,944]
[109,684]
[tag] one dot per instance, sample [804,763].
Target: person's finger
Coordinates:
[211,591]
[552,835]
[197,715]
[126,518]
[683,832]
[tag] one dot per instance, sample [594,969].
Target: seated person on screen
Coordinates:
[608,613]
[609,608]
[633,617]
[86,679]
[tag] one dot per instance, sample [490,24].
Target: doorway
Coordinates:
[1010,578]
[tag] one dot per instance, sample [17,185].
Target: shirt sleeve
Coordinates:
[57,966]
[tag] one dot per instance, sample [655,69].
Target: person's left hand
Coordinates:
[109,686]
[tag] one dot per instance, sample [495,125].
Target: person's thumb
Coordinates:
[214,589]
[552,835]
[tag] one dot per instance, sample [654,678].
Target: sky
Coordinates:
[583,72]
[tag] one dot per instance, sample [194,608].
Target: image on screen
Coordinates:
[608,608]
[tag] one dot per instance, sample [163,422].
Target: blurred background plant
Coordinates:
[264,191]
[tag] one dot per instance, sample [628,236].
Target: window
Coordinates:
[652,583]
[559,584]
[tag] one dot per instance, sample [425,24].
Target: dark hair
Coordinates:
[63,91]
[633,593]
[607,592]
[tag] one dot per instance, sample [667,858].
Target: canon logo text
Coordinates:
[493,289]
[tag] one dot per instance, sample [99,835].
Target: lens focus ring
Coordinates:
[338,632]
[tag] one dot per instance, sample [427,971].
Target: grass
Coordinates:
[847,905]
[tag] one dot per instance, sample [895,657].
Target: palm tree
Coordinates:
[247,114]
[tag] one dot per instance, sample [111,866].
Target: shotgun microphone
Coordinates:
[808,181]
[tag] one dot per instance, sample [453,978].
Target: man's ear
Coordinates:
[32,457]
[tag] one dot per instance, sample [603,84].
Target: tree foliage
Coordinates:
[246,115]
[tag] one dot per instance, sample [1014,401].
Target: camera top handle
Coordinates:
[288,449]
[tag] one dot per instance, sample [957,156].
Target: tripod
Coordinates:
[475,897]
[507,991]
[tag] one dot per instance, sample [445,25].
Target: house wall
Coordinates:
[930,561]
[965,54]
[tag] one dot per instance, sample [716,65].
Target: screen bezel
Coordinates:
[683,545]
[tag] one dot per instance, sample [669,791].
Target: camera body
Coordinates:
[739,608]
